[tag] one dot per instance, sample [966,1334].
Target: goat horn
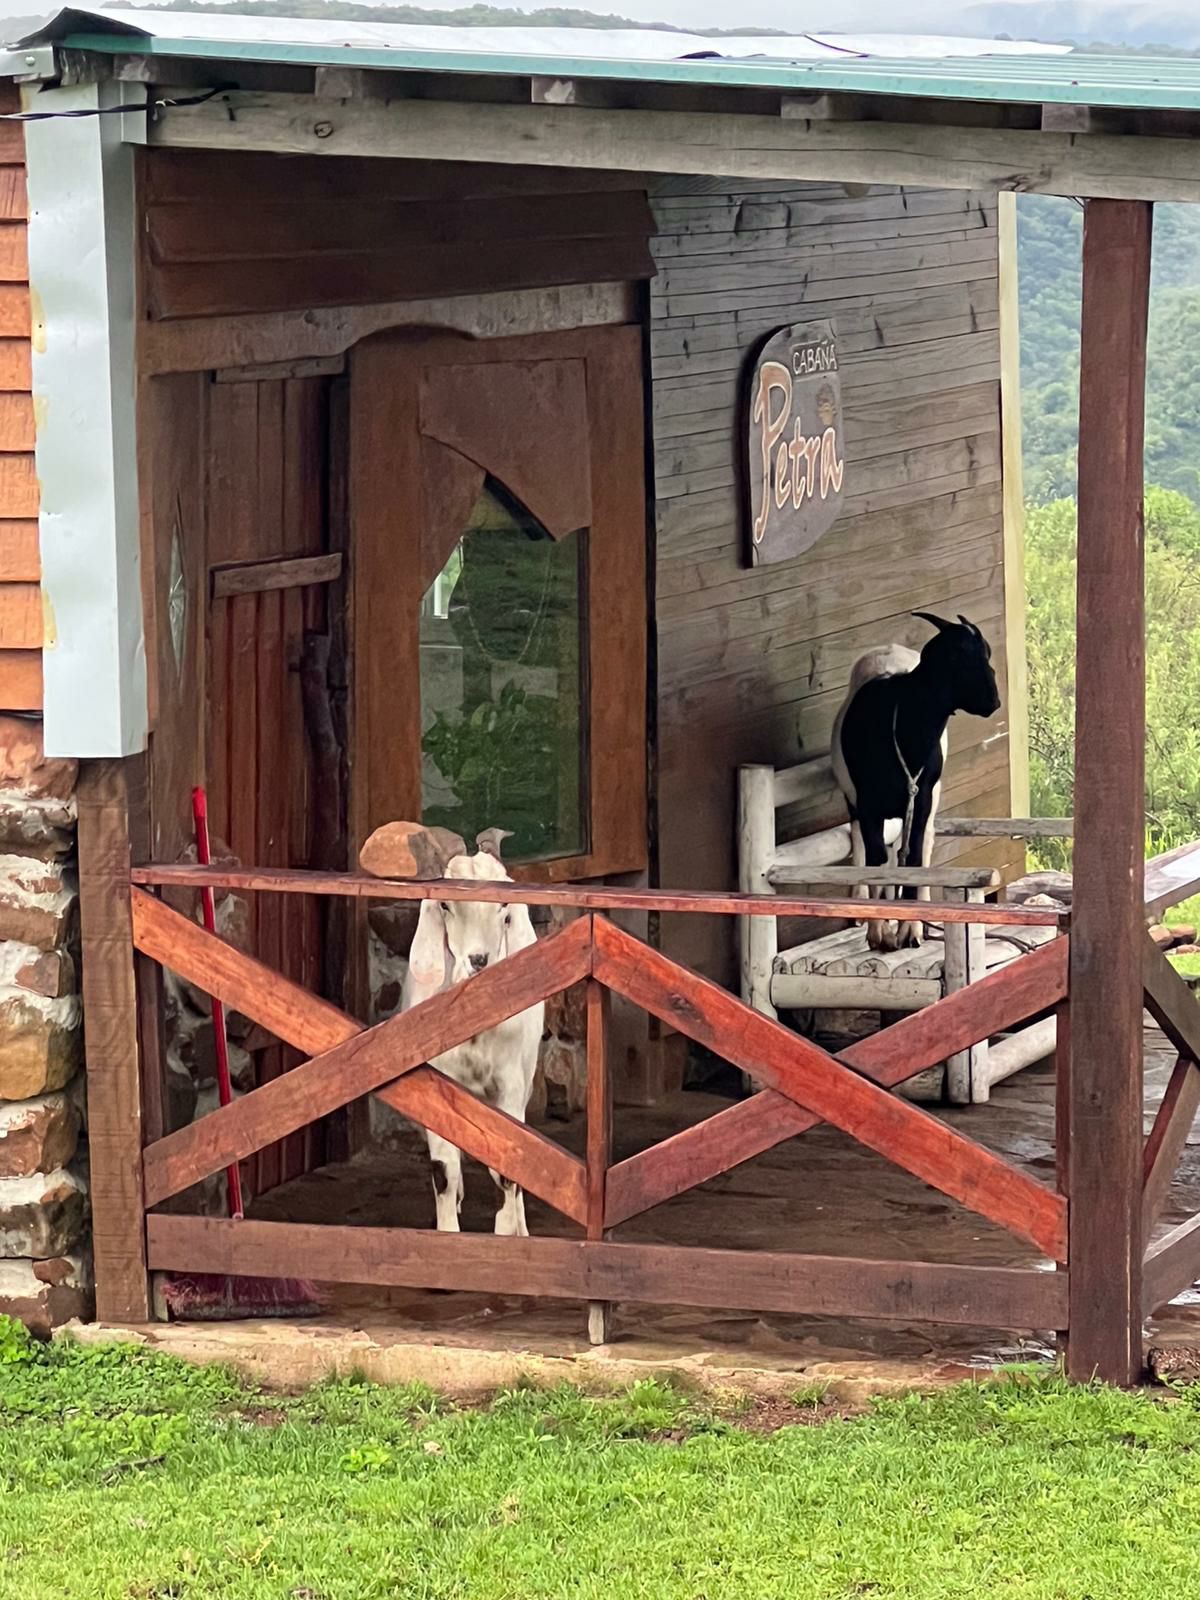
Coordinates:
[967,623]
[491,839]
[939,623]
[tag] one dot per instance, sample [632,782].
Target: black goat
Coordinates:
[889,747]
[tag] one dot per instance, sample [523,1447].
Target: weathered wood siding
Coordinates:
[752,665]
[21,627]
[273,233]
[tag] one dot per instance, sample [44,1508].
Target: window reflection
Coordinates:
[503,646]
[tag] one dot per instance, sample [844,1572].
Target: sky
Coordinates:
[1134,21]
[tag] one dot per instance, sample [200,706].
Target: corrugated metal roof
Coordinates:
[891,64]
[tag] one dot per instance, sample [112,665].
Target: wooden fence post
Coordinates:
[1108,912]
[759,936]
[109,791]
[966,963]
[599,1139]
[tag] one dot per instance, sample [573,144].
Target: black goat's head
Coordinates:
[962,659]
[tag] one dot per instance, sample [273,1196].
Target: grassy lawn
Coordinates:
[128,1475]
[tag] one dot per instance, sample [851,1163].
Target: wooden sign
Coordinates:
[796,438]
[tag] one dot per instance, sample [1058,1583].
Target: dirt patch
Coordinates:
[766,1414]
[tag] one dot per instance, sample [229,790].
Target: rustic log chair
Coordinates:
[837,971]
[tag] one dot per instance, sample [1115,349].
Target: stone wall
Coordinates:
[45,1273]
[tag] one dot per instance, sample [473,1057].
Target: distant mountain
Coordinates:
[1135,24]
[1163,22]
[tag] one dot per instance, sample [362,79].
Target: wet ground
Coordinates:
[820,1193]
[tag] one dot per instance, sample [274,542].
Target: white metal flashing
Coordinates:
[81,272]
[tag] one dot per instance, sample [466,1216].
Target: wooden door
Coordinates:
[273,592]
[498,536]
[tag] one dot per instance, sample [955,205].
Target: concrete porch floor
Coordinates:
[820,1193]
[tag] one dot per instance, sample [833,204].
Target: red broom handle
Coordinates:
[220,1041]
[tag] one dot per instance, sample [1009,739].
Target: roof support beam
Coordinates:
[719,144]
[1104,1088]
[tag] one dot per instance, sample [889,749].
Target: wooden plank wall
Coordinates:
[752,665]
[270,233]
[21,627]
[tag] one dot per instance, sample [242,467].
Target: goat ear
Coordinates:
[427,963]
[969,625]
[939,623]
[489,842]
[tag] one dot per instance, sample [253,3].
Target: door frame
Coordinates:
[384,475]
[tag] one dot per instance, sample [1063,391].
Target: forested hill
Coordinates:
[1050,239]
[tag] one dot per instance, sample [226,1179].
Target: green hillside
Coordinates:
[1049,256]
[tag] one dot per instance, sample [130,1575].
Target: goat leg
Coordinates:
[880,935]
[446,1167]
[919,853]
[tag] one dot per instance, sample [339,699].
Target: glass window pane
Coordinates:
[503,647]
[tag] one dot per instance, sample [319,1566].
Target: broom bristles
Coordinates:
[214,1297]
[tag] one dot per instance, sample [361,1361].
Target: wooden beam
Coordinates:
[107,792]
[494,1138]
[243,983]
[1005,827]
[1171,878]
[294,572]
[357,885]
[1172,1265]
[718,144]
[273,371]
[998,1297]
[1108,912]
[242,343]
[884,877]
[888,1058]
[1168,1139]
[599,1141]
[355,1061]
[790,1064]
[1170,1001]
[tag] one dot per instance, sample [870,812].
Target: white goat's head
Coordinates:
[457,938]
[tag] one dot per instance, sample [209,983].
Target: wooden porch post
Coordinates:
[1108,919]
[109,792]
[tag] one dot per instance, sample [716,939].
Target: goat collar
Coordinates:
[913,781]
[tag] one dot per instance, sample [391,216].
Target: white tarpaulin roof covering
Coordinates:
[599,44]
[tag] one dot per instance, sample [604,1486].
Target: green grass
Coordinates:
[126,1476]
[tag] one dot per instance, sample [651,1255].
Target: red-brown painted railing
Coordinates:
[805,1085]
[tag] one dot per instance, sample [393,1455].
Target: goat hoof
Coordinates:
[881,936]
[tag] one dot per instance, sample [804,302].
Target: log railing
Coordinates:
[802,1086]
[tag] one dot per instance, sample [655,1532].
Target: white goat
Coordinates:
[454,940]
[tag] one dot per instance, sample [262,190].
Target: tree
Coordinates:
[1172,665]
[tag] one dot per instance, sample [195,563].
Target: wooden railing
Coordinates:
[803,1086]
